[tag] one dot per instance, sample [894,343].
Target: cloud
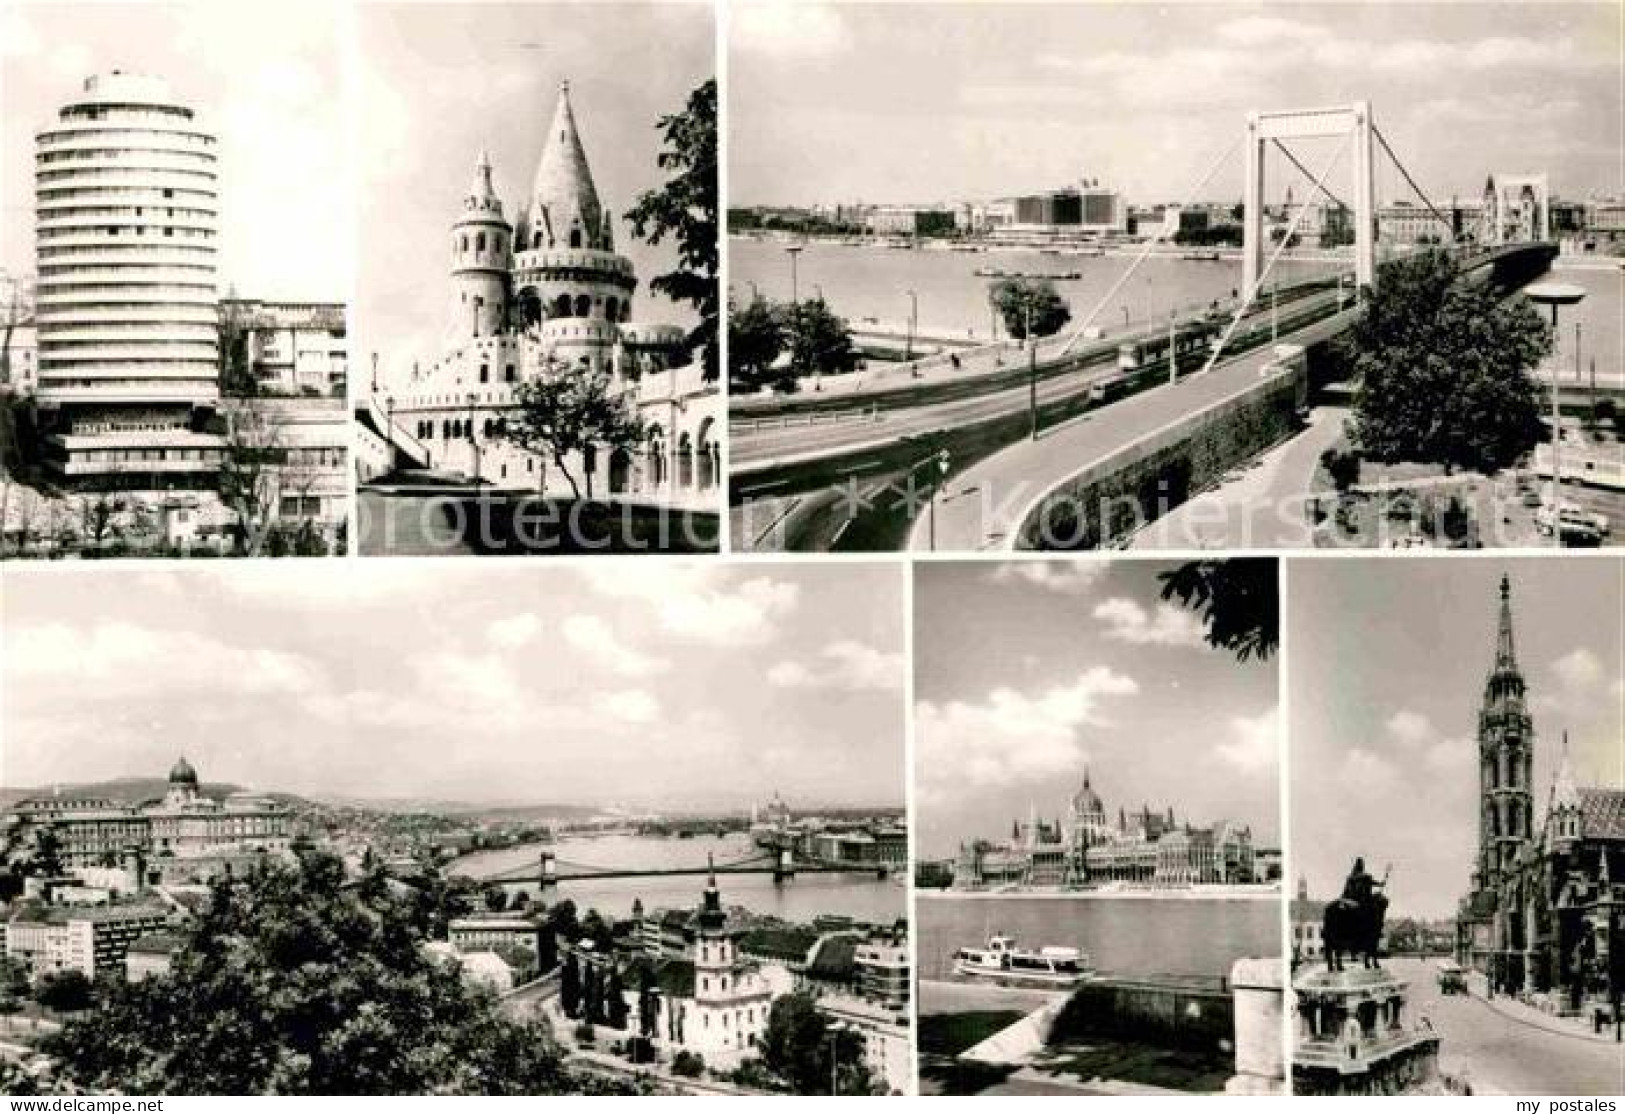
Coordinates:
[1254,743]
[1257,31]
[1069,578]
[1417,739]
[848,665]
[787,28]
[1579,689]
[1010,738]
[1167,625]
[633,706]
[596,641]
[698,602]
[514,631]
[113,658]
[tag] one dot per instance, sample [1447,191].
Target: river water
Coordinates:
[870,285]
[1198,937]
[1602,325]
[859,896]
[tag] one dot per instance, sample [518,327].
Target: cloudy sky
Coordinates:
[909,102]
[1388,662]
[1025,673]
[268,78]
[439,81]
[638,682]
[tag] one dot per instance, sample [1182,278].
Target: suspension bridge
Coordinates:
[548,870]
[953,453]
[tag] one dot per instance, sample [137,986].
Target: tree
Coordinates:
[1019,301]
[293,983]
[592,994]
[1342,467]
[818,340]
[254,451]
[686,1063]
[756,339]
[1239,601]
[570,986]
[237,378]
[565,412]
[1443,367]
[798,1044]
[65,991]
[496,899]
[598,931]
[616,1010]
[648,1007]
[107,520]
[686,208]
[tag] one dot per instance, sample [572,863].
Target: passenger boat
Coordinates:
[1003,962]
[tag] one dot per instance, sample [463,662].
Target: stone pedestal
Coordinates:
[1352,1035]
[1260,1054]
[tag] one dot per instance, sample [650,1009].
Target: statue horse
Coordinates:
[1353,929]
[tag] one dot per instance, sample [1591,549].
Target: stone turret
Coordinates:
[570,287]
[481,240]
[564,209]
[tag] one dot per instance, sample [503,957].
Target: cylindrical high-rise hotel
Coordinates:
[126,207]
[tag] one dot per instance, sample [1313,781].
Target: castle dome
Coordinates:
[183,774]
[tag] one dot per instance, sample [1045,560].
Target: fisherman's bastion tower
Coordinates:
[549,295]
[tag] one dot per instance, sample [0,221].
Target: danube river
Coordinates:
[869,285]
[862,897]
[1602,323]
[1196,937]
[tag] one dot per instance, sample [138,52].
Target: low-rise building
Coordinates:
[151,955]
[88,940]
[490,933]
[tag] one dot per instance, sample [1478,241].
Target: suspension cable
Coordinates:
[1247,296]
[1144,253]
[1406,174]
[1304,170]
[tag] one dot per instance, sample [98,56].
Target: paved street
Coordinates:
[1262,507]
[988,501]
[1497,1054]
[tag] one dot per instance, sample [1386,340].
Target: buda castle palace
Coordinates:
[184,835]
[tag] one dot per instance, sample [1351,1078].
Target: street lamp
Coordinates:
[913,317]
[833,1035]
[1556,294]
[793,250]
[1032,373]
[942,474]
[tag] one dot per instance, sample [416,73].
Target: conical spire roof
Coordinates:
[1505,658]
[1565,793]
[563,192]
[482,200]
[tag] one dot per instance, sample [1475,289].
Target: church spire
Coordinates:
[1505,659]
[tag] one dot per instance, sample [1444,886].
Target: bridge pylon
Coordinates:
[1264,128]
[550,870]
[784,867]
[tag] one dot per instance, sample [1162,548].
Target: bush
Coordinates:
[640,1050]
[1342,467]
[688,1063]
[585,1033]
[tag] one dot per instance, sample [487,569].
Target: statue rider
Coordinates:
[1360,889]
